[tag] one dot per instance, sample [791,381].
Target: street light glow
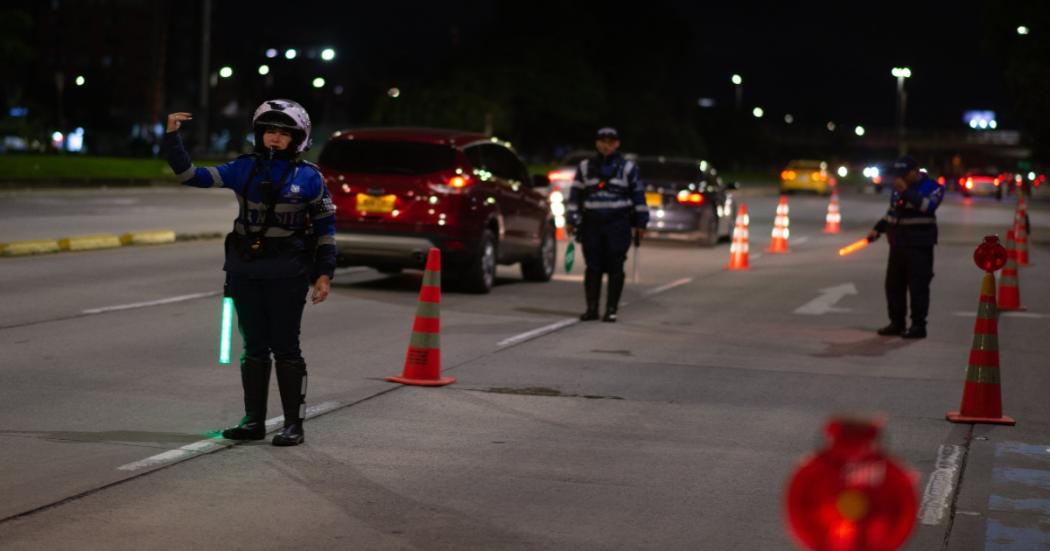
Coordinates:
[1022,30]
[318,82]
[843,171]
[993,124]
[789,118]
[831,126]
[271,53]
[328,54]
[290,53]
[859,130]
[737,79]
[758,112]
[80,80]
[901,72]
[394,92]
[264,69]
[226,72]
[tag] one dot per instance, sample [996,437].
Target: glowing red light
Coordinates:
[457,182]
[561,175]
[851,495]
[990,255]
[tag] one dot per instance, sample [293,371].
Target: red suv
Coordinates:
[401,191]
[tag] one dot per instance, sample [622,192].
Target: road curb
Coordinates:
[89,242]
[153,237]
[28,247]
[100,241]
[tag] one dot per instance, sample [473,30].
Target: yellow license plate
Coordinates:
[654,199]
[373,204]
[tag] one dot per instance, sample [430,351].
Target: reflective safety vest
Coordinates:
[606,188]
[911,220]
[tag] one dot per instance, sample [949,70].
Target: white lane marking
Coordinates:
[209,445]
[546,329]
[568,277]
[938,495]
[529,335]
[1026,315]
[667,287]
[826,301]
[170,300]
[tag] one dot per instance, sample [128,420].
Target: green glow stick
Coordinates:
[570,256]
[226,330]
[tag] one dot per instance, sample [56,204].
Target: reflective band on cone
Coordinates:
[982,398]
[1009,284]
[781,233]
[1021,237]
[423,360]
[738,251]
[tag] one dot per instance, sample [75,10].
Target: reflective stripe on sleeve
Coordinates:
[216,178]
[187,175]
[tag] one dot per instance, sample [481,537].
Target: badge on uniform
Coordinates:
[570,256]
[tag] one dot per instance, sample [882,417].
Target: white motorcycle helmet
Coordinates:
[286,114]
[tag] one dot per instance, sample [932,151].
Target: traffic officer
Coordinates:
[910,226]
[606,202]
[283,239]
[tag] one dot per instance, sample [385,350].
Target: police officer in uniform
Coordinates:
[606,204]
[282,241]
[910,226]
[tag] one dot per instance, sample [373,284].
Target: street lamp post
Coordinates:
[738,81]
[902,103]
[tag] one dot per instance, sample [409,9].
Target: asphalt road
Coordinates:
[676,428]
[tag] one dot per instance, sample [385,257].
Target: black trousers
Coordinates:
[909,272]
[270,313]
[605,243]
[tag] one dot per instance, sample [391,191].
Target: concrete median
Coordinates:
[153,237]
[28,247]
[89,242]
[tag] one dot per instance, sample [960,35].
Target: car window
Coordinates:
[504,163]
[474,155]
[383,157]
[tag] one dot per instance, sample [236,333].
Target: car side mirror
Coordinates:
[540,180]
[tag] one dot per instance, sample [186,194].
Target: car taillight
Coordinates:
[940,180]
[969,183]
[687,197]
[453,184]
[788,175]
[996,182]
[877,179]
[817,177]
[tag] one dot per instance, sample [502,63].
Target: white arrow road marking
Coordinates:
[826,301]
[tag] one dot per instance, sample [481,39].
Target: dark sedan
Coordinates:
[687,200]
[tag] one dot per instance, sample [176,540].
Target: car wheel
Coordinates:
[541,268]
[480,275]
[709,225]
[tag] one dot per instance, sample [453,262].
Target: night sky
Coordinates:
[817,61]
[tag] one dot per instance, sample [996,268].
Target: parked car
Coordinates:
[806,175]
[687,199]
[401,191]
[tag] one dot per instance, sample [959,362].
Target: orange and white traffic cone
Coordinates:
[833,220]
[1009,284]
[423,362]
[1021,236]
[982,399]
[781,231]
[738,250]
